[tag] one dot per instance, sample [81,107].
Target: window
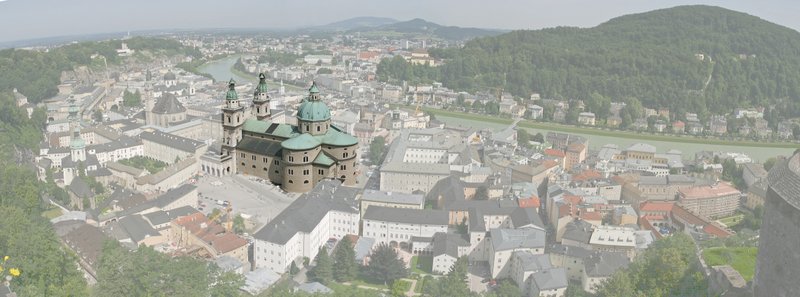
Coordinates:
[305,182]
[243,155]
[343,167]
[321,172]
[242,163]
[291,181]
[277,162]
[291,158]
[344,155]
[306,171]
[254,166]
[253,157]
[307,128]
[318,129]
[305,158]
[276,172]
[291,172]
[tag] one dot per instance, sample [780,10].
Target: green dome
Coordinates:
[300,143]
[313,88]
[262,84]
[338,138]
[313,111]
[231,95]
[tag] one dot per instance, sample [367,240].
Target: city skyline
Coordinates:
[67,18]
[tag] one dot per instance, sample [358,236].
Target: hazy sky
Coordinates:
[28,19]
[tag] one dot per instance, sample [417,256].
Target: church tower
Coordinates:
[77,145]
[261,99]
[233,118]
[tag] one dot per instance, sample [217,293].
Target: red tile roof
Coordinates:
[592,216]
[554,153]
[658,206]
[532,202]
[719,190]
[210,232]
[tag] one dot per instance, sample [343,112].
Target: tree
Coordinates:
[324,71]
[238,224]
[345,261]
[376,149]
[97,115]
[131,99]
[323,268]
[769,163]
[454,284]
[293,270]
[482,193]
[385,265]
[538,137]
[506,288]
[398,289]
[523,138]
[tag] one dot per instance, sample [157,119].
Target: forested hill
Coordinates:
[653,57]
[36,73]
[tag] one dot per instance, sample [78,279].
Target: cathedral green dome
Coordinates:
[313,111]
[262,84]
[300,143]
[231,94]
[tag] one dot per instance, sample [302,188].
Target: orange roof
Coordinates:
[653,217]
[549,164]
[645,223]
[701,192]
[210,232]
[592,216]
[717,231]
[656,206]
[532,202]
[589,174]
[575,147]
[573,199]
[554,153]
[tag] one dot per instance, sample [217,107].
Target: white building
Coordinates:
[328,211]
[614,239]
[504,242]
[396,226]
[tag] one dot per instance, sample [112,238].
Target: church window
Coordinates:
[344,155]
[291,181]
[291,172]
[243,155]
[321,172]
[305,182]
[253,157]
[305,158]
[319,128]
[291,158]
[343,167]
[305,172]
[277,162]
[307,128]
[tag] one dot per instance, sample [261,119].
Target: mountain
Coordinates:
[359,22]
[689,58]
[417,27]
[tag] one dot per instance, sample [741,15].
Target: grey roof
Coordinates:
[159,202]
[102,171]
[314,288]
[228,263]
[80,188]
[305,213]
[70,216]
[162,217]
[554,278]
[392,197]
[476,222]
[87,241]
[173,141]
[168,104]
[120,143]
[419,168]
[533,262]
[783,178]
[506,239]
[137,227]
[642,147]
[446,243]
[363,247]
[578,230]
[260,146]
[522,217]
[570,251]
[408,216]
[759,189]
[602,263]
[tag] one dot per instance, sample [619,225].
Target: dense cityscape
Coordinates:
[376,157]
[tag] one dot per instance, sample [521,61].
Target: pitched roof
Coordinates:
[506,239]
[407,216]
[168,104]
[447,243]
[173,141]
[306,212]
[137,228]
[549,279]
[80,188]
[603,264]
[578,230]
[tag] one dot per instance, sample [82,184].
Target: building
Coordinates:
[390,199]
[753,173]
[614,239]
[502,243]
[756,195]
[328,211]
[447,248]
[397,226]
[599,267]
[295,157]
[778,260]
[170,148]
[196,230]
[713,201]
[586,118]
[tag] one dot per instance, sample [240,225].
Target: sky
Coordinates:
[31,19]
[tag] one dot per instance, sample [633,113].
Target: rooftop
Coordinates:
[508,239]
[407,216]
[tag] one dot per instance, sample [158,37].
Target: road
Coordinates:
[260,200]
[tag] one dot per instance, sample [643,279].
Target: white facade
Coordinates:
[386,231]
[278,256]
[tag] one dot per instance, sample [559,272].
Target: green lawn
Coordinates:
[603,132]
[141,162]
[52,213]
[422,264]
[731,220]
[743,259]
[362,282]
[420,285]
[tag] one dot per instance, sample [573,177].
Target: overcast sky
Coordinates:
[29,19]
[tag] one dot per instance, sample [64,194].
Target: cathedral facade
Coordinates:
[295,157]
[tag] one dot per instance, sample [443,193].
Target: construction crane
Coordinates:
[228,223]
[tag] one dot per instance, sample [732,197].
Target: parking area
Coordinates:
[478,273]
[255,199]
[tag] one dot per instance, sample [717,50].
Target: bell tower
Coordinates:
[261,99]
[233,118]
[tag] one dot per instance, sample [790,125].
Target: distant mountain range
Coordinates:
[409,28]
[358,22]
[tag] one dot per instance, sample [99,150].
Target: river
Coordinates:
[221,70]
[758,154]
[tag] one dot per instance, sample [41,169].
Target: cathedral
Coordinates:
[295,157]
